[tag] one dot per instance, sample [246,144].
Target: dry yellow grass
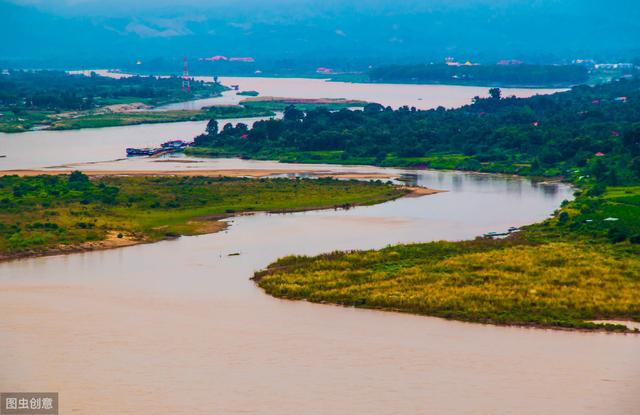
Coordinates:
[555,284]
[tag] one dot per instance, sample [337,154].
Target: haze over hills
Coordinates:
[285,32]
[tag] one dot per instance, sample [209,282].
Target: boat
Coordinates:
[141,151]
[173,145]
[166,147]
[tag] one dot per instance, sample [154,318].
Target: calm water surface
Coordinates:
[394,95]
[38,149]
[41,149]
[178,327]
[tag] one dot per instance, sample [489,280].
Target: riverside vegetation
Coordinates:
[152,117]
[59,100]
[565,272]
[586,131]
[503,75]
[48,214]
[580,266]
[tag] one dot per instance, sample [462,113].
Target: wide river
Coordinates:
[178,327]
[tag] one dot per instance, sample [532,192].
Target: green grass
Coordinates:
[248,93]
[23,121]
[439,161]
[564,272]
[589,218]
[150,117]
[11,123]
[125,100]
[281,104]
[40,213]
[16,116]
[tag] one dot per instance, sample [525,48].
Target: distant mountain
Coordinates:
[329,33]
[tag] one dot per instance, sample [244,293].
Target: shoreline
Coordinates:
[253,173]
[631,330]
[207,224]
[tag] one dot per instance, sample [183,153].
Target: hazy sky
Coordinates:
[111,6]
[424,29]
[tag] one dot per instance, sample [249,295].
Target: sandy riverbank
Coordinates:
[255,173]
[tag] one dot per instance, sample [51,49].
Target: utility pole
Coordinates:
[186,84]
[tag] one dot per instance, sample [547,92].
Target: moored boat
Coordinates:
[141,151]
[166,147]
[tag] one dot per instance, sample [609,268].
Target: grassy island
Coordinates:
[97,120]
[565,272]
[65,213]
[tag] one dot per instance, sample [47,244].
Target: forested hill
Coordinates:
[504,75]
[592,131]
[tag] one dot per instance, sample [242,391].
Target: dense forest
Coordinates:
[504,75]
[588,131]
[60,91]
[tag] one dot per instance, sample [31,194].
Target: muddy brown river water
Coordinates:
[177,327]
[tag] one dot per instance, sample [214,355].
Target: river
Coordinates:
[178,327]
[394,95]
[39,149]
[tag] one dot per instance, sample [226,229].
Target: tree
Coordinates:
[635,166]
[599,169]
[535,166]
[212,128]
[292,114]
[563,218]
[495,93]
[78,180]
[631,140]
[373,107]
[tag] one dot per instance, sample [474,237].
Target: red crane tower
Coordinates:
[186,84]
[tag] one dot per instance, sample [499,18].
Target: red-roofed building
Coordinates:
[324,70]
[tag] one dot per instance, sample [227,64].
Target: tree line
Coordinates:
[596,129]
[524,74]
[60,91]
